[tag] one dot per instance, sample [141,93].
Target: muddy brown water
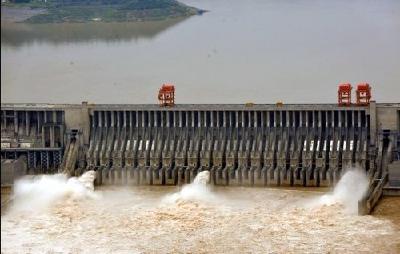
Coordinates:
[217,220]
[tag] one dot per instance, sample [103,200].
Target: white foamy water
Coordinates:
[348,191]
[40,192]
[199,190]
[202,178]
[193,219]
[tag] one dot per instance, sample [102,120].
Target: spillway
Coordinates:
[240,144]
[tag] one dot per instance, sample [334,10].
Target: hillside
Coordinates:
[76,11]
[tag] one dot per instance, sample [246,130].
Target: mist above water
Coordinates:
[40,192]
[199,190]
[348,191]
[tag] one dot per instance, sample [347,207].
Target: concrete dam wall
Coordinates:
[250,145]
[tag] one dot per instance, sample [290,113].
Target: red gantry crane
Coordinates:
[166,95]
[363,94]
[344,94]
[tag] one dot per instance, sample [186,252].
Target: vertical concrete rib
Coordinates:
[167,119]
[262,119]
[52,143]
[223,120]
[279,122]
[254,116]
[157,118]
[183,119]
[15,121]
[288,118]
[212,113]
[326,123]
[101,121]
[319,118]
[217,119]
[27,123]
[112,113]
[143,123]
[372,122]
[198,118]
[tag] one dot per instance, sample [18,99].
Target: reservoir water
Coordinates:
[240,51]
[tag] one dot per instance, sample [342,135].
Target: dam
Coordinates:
[308,145]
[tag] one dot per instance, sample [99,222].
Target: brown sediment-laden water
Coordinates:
[52,214]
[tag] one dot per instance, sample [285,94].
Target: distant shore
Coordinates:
[94,11]
[10,14]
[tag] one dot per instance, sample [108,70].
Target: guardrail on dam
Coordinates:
[260,144]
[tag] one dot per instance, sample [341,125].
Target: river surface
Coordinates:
[259,51]
[53,214]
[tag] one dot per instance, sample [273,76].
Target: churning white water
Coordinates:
[39,192]
[348,191]
[196,218]
[199,190]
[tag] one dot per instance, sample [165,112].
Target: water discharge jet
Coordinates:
[197,191]
[40,192]
[349,190]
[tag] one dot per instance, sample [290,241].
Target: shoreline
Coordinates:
[11,14]
[22,14]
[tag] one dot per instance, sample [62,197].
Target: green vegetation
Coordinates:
[58,11]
